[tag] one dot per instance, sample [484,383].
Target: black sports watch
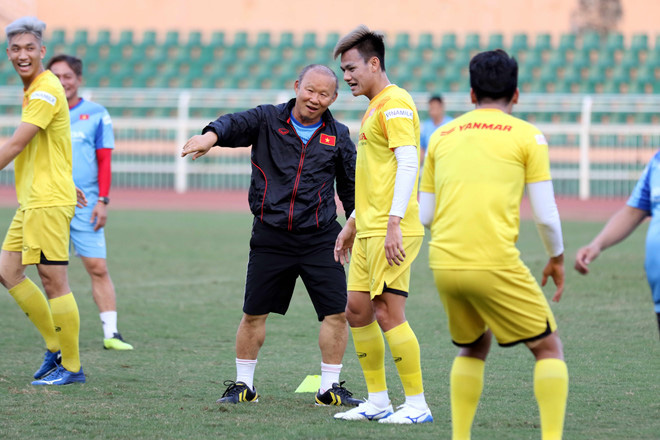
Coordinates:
[104,200]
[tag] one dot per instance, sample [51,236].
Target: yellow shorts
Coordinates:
[370,272]
[509,302]
[40,230]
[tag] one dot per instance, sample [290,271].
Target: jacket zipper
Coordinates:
[300,165]
[319,205]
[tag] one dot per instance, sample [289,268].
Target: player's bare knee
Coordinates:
[549,347]
[12,272]
[97,268]
[337,320]
[253,321]
[357,314]
[479,349]
[10,278]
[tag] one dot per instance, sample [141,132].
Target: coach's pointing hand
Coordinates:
[199,145]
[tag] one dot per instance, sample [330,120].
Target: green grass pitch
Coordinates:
[179,278]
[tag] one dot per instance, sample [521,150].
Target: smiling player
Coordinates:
[39,232]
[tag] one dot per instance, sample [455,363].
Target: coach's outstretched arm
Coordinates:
[619,226]
[546,218]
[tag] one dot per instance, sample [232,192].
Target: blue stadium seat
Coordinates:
[519,43]
[639,42]
[472,42]
[543,42]
[495,41]
[425,42]
[567,42]
[448,42]
[125,38]
[590,41]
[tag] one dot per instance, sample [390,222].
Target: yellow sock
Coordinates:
[405,351]
[467,381]
[551,391]
[34,304]
[370,348]
[67,324]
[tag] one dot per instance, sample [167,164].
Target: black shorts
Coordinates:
[278,258]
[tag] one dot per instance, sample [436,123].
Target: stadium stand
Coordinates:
[426,63]
[585,64]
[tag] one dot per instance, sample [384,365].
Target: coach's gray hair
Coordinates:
[354,37]
[26,25]
[321,68]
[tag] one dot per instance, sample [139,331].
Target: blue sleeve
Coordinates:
[424,138]
[105,138]
[641,195]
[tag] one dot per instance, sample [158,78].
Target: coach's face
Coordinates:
[70,81]
[314,94]
[25,52]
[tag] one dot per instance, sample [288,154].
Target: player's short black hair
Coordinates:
[74,63]
[368,43]
[436,98]
[494,75]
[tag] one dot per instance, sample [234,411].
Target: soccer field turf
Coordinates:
[179,278]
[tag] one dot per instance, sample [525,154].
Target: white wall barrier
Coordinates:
[599,144]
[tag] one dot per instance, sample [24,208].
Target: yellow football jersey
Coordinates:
[43,169]
[391,121]
[477,166]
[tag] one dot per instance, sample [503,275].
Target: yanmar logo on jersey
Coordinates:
[445,133]
[84,117]
[363,137]
[328,140]
[484,126]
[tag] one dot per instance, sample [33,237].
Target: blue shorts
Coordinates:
[652,267]
[85,241]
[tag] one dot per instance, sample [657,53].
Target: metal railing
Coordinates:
[589,158]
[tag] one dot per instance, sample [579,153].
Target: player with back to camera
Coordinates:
[92,142]
[475,172]
[299,152]
[643,202]
[39,232]
[384,235]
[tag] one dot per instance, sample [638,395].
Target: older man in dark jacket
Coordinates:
[298,153]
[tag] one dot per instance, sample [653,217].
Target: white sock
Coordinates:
[245,371]
[417,401]
[329,376]
[381,399]
[109,321]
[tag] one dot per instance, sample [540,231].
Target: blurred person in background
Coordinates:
[437,118]
[92,143]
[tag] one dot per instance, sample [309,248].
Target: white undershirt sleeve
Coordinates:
[546,216]
[426,208]
[406,178]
